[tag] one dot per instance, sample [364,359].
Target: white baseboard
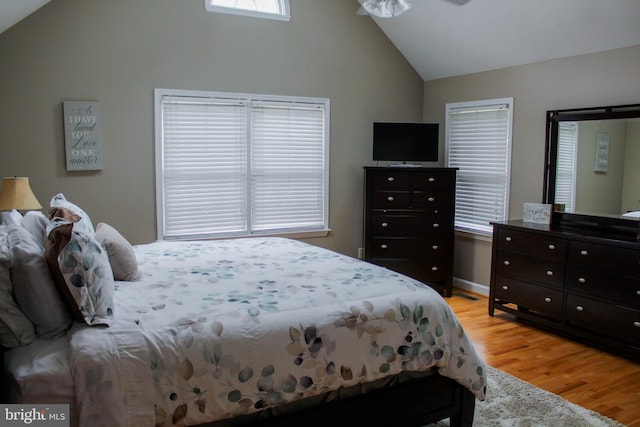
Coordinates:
[466,285]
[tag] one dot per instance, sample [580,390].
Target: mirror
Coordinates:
[592,161]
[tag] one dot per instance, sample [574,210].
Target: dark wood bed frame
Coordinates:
[411,404]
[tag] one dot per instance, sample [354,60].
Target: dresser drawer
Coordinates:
[600,284]
[391,200]
[531,297]
[396,247]
[607,318]
[389,180]
[620,261]
[394,224]
[434,201]
[423,269]
[433,179]
[530,269]
[537,245]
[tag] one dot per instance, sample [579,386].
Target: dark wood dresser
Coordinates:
[579,276]
[408,220]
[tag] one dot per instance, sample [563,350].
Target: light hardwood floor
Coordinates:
[586,376]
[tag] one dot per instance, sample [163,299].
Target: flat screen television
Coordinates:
[405,142]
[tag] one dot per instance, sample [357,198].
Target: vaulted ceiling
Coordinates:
[441,38]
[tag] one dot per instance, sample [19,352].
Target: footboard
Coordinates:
[412,404]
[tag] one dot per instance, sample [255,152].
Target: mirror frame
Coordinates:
[554,117]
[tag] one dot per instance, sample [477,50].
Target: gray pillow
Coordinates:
[15,328]
[121,254]
[33,287]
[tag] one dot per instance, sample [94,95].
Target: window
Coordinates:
[271,9]
[566,165]
[478,143]
[239,164]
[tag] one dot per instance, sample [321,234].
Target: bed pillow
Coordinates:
[33,288]
[15,328]
[36,223]
[122,257]
[12,217]
[81,270]
[59,201]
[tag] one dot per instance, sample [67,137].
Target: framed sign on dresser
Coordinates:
[409,222]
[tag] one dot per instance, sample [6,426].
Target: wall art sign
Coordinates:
[602,153]
[537,213]
[83,142]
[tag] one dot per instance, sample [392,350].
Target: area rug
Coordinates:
[512,402]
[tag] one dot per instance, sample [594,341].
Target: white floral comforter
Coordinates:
[224,328]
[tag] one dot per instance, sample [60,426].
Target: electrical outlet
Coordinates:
[360,253]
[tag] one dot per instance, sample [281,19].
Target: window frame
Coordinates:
[476,229]
[283,5]
[159,94]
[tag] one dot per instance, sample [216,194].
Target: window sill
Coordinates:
[466,234]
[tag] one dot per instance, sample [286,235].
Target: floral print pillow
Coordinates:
[81,269]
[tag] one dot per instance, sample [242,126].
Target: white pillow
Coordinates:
[15,328]
[36,223]
[12,217]
[59,201]
[33,287]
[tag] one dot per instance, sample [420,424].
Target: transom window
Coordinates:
[270,9]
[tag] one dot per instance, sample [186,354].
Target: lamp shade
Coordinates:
[16,194]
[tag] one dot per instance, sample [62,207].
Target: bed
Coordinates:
[267,331]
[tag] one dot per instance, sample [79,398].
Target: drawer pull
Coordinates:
[390,198]
[432,179]
[434,268]
[547,299]
[552,247]
[390,179]
[505,288]
[508,239]
[507,262]
[637,292]
[550,273]
[636,324]
[580,308]
[584,252]
[384,225]
[436,247]
[436,225]
[431,199]
[582,280]
[383,246]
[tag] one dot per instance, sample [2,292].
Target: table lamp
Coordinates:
[16,194]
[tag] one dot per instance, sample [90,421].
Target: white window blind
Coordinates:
[287,166]
[566,165]
[478,140]
[233,164]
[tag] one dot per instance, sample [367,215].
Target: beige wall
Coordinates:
[608,78]
[118,51]
[631,186]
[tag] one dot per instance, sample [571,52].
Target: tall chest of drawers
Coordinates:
[409,215]
[583,284]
